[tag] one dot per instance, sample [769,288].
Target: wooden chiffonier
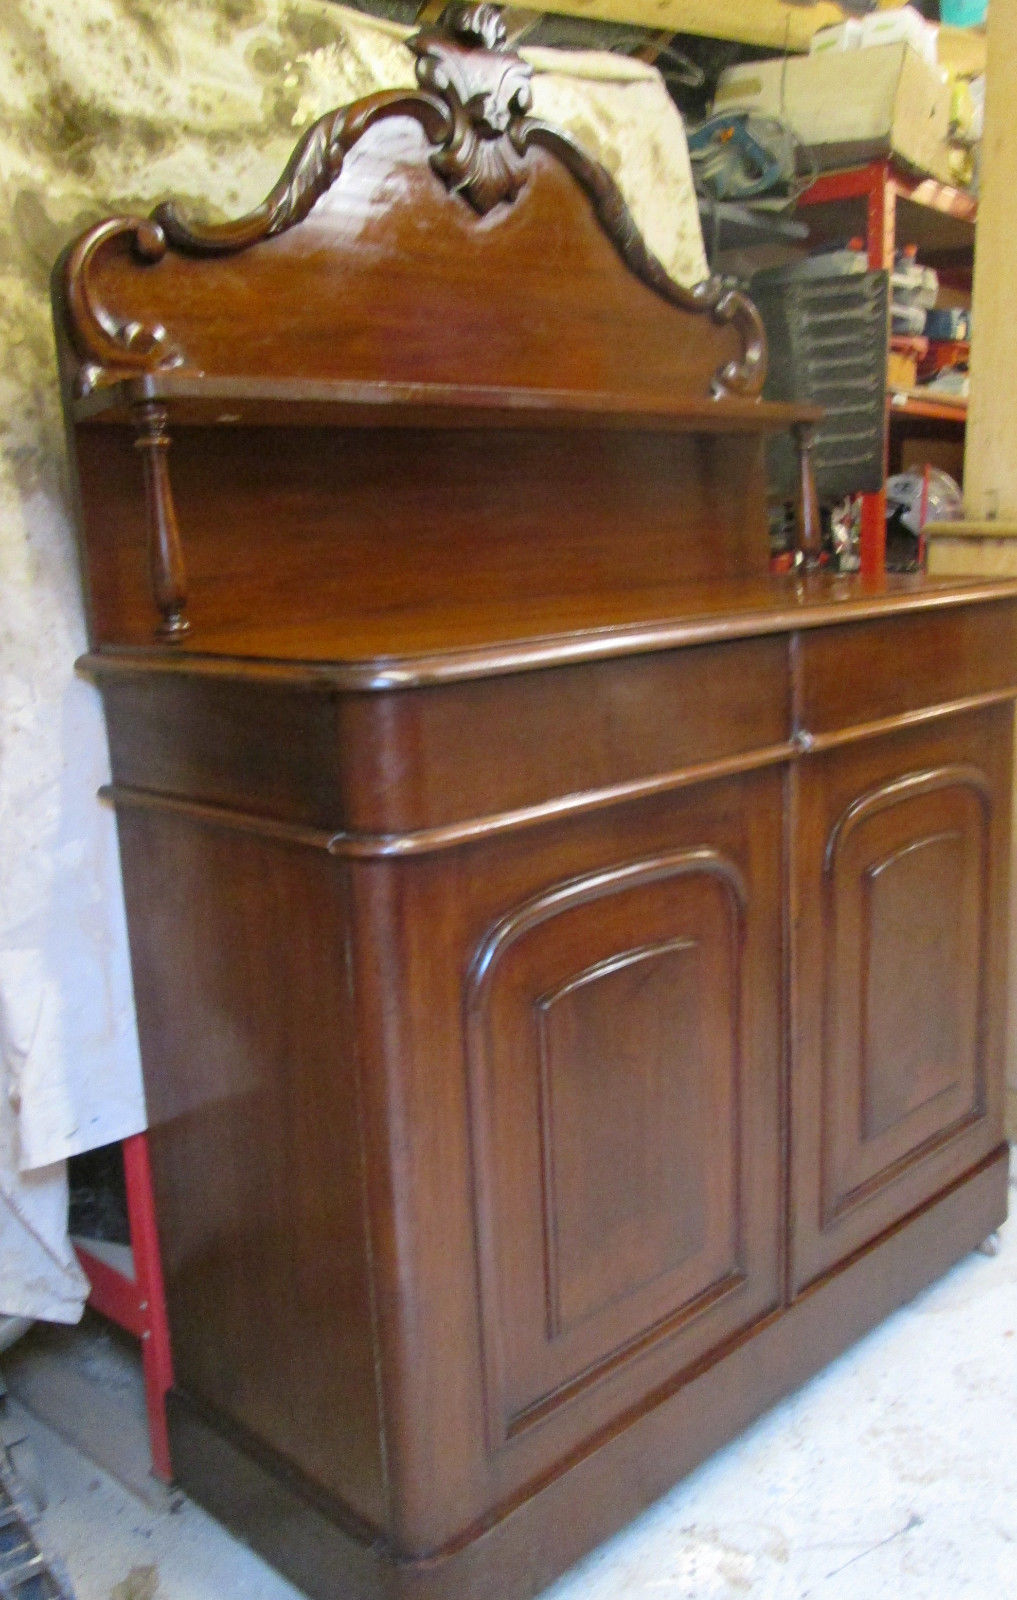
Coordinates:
[569,961]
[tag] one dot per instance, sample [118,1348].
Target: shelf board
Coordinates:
[932,215]
[772,23]
[910,404]
[935,196]
[192,399]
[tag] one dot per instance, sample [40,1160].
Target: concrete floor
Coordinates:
[892,1476]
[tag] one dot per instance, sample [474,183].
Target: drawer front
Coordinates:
[443,755]
[874,671]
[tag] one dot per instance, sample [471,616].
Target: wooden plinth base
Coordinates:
[538,1540]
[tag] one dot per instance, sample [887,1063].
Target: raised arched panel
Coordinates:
[607,1107]
[605,1022]
[901,896]
[913,965]
[906,889]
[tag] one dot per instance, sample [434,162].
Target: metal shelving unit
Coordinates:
[881,202]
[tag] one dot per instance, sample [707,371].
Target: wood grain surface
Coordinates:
[569,961]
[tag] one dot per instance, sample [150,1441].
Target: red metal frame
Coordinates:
[138,1304]
[881,184]
[876,185]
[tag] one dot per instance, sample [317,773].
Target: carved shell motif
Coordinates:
[487,92]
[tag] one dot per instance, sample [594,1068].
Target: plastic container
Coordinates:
[953,323]
[963,13]
[914,285]
[826,328]
[924,496]
[909,321]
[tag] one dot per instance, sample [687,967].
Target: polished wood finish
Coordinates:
[808,528]
[165,557]
[525,515]
[568,960]
[600,1491]
[901,938]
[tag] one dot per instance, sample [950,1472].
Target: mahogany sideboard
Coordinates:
[569,961]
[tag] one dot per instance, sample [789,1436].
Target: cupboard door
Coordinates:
[626,1126]
[902,864]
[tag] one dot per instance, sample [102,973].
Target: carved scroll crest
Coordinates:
[487,91]
[472,103]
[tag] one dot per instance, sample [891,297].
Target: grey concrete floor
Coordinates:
[891,1476]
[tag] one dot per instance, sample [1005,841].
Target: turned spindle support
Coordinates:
[808,529]
[165,554]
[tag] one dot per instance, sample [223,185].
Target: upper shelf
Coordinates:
[934,216]
[932,406]
[191,399]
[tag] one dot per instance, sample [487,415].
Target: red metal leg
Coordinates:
[138,1304]
[872,536]
[881,240]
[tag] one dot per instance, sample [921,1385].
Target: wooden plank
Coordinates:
[772,23]
[990,474]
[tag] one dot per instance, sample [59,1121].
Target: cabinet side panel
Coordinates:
[239,954]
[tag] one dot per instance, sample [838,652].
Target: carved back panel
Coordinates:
[434,258]
[437,235]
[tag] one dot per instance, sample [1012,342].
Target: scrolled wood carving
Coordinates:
[472,103]
[310,172]
[487,91]
[718,297]
[103,340]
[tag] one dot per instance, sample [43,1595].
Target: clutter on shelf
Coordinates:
[902,26]
[857,97]
[742,156]
[913,500]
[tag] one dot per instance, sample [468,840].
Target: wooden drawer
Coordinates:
[438,756]
[869,672]
[296,749]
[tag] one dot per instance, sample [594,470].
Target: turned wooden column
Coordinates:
[808,528]
[167,574]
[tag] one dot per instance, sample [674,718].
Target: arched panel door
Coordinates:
[619,1168]
[902,871]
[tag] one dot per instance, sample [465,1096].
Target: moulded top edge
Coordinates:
[351,658]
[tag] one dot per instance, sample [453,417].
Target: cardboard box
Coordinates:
[901,371]
[851,106]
